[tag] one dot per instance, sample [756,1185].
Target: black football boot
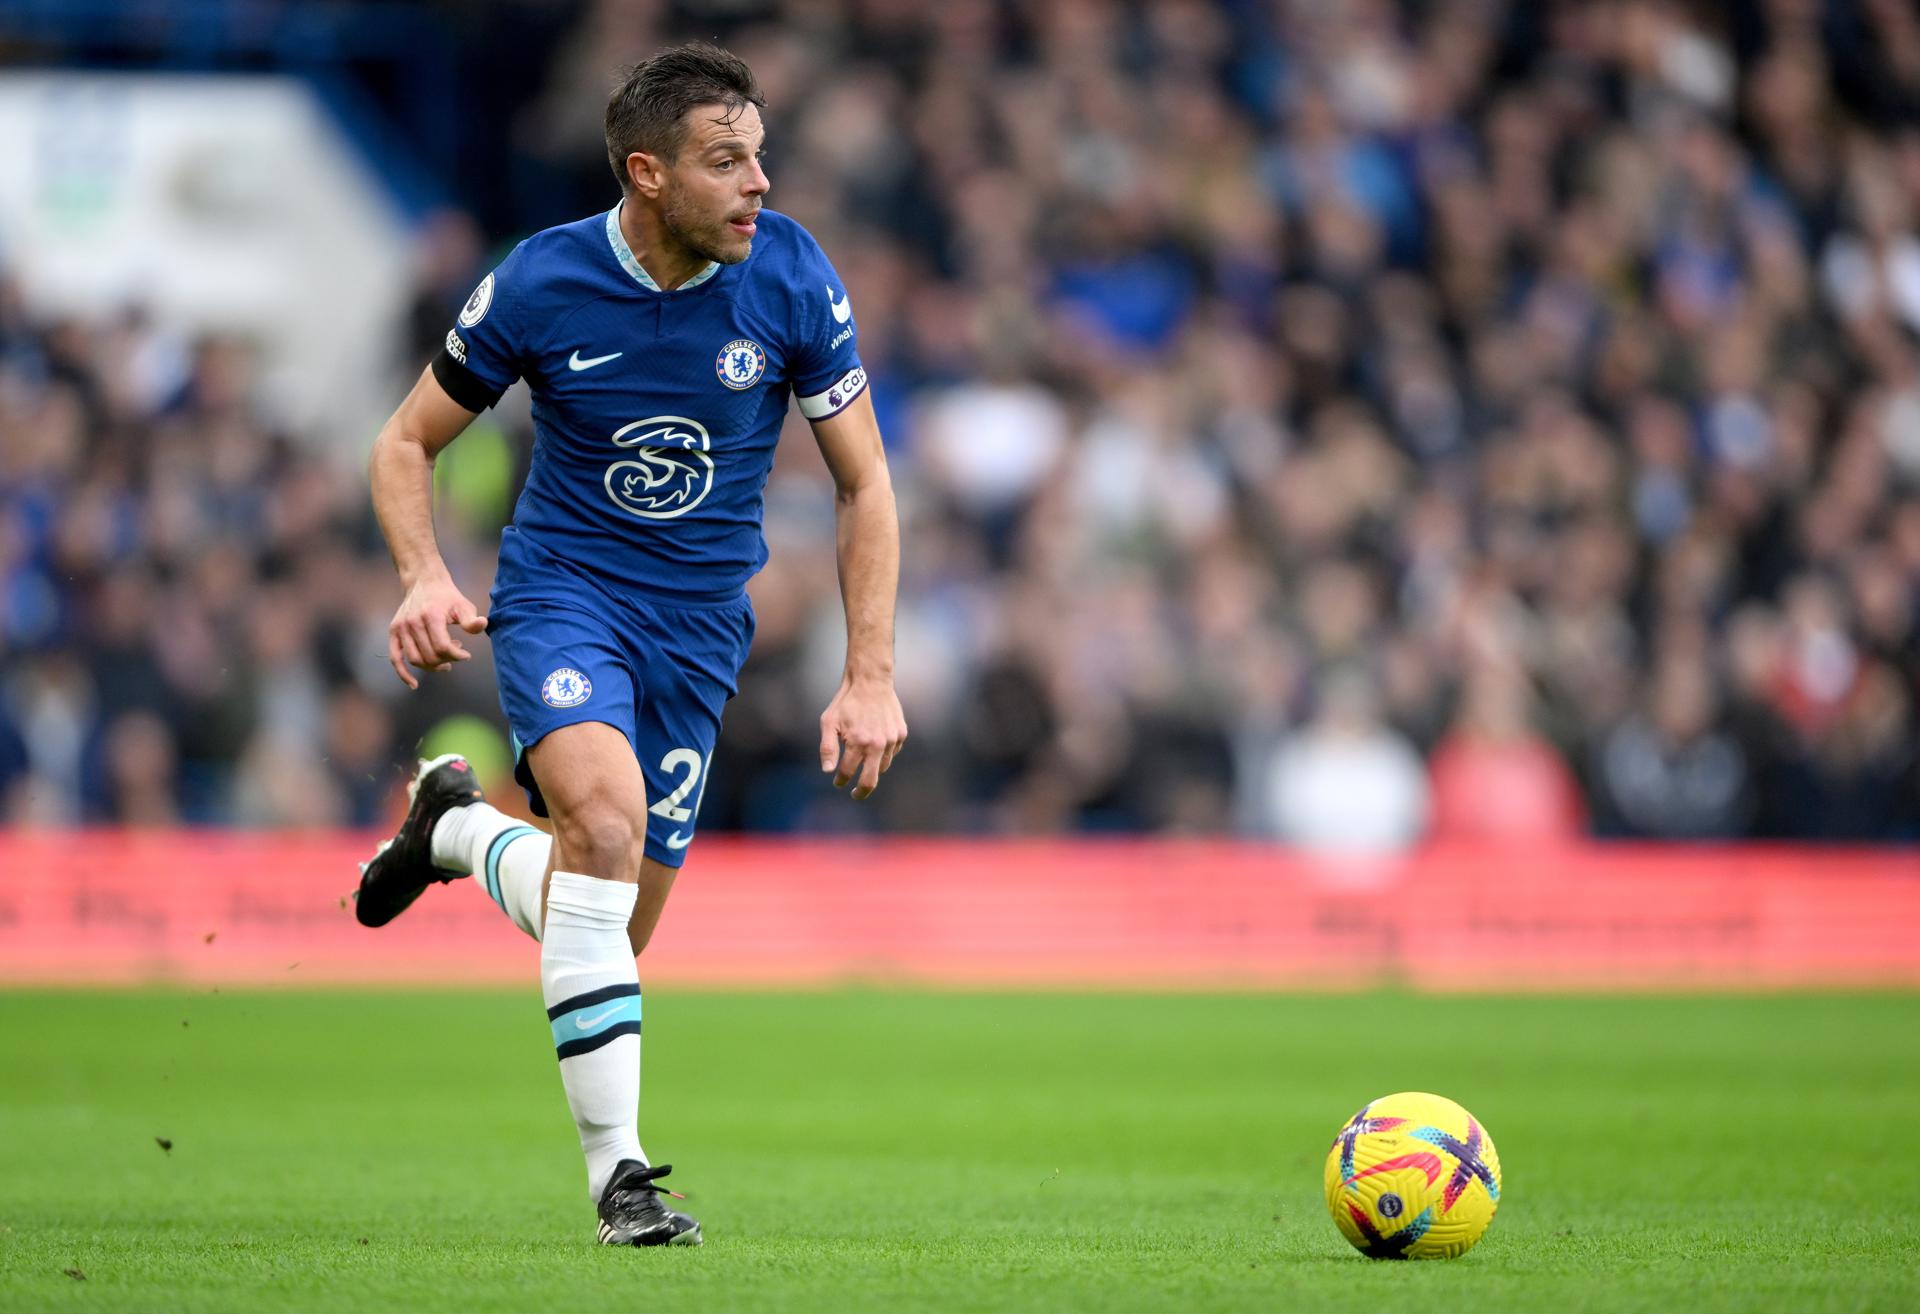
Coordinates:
[402,867]
[632,1213]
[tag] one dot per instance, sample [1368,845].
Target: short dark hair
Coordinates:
[648,110]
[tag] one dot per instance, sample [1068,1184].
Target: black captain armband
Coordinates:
[461,383]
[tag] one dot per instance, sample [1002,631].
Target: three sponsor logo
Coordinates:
[670,472]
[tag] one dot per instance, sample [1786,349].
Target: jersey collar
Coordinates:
[631,263]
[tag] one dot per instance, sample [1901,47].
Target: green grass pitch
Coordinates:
[880,1151]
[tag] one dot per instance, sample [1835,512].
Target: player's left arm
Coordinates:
[863,728]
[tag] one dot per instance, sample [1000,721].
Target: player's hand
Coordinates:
[423,632]
[861,732]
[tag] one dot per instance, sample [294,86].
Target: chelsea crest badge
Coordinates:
[566,687]
[741,364]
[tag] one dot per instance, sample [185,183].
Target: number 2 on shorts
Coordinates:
[671,807]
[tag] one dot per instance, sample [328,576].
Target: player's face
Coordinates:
[710,196]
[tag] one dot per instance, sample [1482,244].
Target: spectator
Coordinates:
[1497,781]
[1347,783]
[1668,771]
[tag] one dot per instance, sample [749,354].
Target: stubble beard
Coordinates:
[709,239]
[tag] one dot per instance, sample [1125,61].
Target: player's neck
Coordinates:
[666,261]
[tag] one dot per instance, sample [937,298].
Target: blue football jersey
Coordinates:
[655,414]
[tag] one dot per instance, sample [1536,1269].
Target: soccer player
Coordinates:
[661,341]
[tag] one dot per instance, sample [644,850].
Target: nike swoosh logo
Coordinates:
[575,363]
[678,841]
[587,1023]
[842,309]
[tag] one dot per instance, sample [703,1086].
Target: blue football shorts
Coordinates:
[567,651]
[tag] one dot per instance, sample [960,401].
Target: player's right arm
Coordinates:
[481,358]
[424,629]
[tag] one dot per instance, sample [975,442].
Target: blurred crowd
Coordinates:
[1347,423]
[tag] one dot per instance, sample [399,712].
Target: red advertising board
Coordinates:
[271,908]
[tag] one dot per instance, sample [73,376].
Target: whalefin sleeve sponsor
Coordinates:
[825,352]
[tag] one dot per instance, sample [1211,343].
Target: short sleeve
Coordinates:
[484,350]
[826,373]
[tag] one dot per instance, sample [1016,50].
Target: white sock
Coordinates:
[481,839]
[592,990]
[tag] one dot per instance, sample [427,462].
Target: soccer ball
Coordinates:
[1413,1176]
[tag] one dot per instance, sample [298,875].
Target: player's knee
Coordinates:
[602,838]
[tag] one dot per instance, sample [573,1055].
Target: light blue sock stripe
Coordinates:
[494,852]
[586,1023]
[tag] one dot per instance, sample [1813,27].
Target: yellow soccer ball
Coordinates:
[1413,1176]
